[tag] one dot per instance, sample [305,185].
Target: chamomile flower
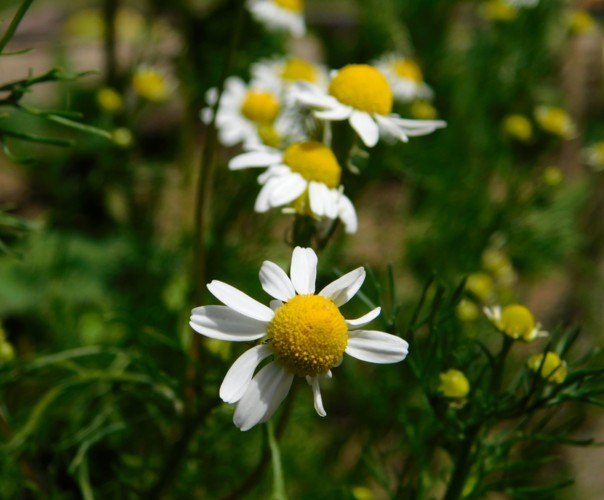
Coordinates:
[594,155]
[280,15]
[246,114]
[281,73]
[152,84]
[523,3]
[516,321]
[305,175]
[549,365]
[556,121]
[361,94]
[404,76]
[303,332]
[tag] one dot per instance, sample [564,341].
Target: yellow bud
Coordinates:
[454,384]
[467,311]
[580,22]
[109,100]
[7,353]
[553,369]
[518,127]
[480,284]
[552,176]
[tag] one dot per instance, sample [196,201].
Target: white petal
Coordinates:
[263,395]
[276,282]
[366,127]
[273,171]
[323,201]
[303,270]
[286,189]
[347,214]
[239,301]
[353,324]
[316,392]
[222,323]
[376,347]
[238,377]
[262,201]
[344,288]
[334,114]
[254,159]
[275,304]
[391,129]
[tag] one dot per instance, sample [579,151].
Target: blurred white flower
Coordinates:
[404,76]
[281,15]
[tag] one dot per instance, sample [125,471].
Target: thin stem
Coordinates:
[14,24]
[463,464]
[278,480]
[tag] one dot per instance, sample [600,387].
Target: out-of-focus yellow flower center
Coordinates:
[553,369]
[298,69]
[293,5]
[406,68]
[362,493]
[308,335]
[496,261]
[580,21]
[552,176]
[122,137]
[269,135]
[454,384]
[467,311]
[423,110]
[363,87]
[260,107]
[150,84]
[109,100]
[519,127]
[517,321]
[480,284]
[313,161]
[555,120]
[497,10]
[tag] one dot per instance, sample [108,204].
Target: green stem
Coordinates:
[14,24]
[110,9]
[498,371]
[278,480]
[463,464]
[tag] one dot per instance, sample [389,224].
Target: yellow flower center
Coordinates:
[293,5]
[518,126]
[260,107]
[313,161]
[109,99]
[480,284]
[517,321]
[423,110]
[269,135]
[298,69]
[363,87]
[553,369]
[150,84]
[555,120]
[406,68]
[454,384]
[308,335]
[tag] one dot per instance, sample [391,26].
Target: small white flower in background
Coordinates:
[404,76]
[305,175]
[304,332]
[522,3]
[250,114]
[280,15]
[516,321]
[280,73]
[361,94]
[593,155]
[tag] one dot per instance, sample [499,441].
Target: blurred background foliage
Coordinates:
[97,235]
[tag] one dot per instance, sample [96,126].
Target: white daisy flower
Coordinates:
[280,15]
[304,332]
[404,76]
[281,73]
[252,115]
[522,3]
[361,94]
[305,175]
[516,321]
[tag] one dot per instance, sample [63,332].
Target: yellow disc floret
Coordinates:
[363,87]
[517,321]
[313,161]
[293,5]
[298,69]
[308,335]
[408,69]
[260,107]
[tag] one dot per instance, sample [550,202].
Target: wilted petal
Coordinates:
[376,347]
[240,374]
